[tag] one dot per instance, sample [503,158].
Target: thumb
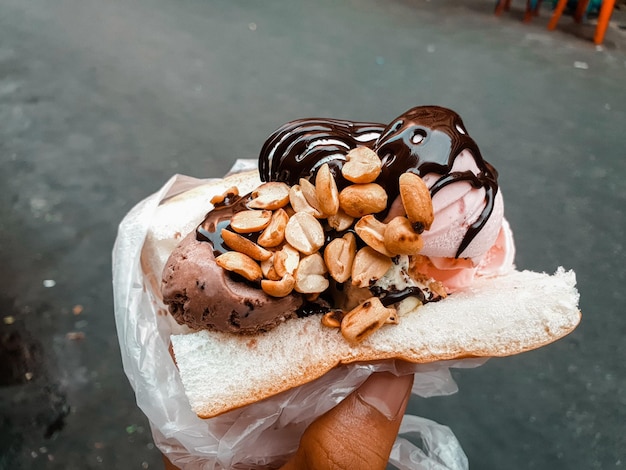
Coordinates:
[360,431]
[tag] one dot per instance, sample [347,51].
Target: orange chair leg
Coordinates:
[528,14]
[581,8]
[531,11]
[501,6]
[558,11]
[603,20]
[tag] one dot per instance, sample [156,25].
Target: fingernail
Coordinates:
[386,392]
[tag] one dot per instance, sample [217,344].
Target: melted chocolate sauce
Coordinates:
[210,230]
[297,149]
[426,139]
[388,298]
[311,308]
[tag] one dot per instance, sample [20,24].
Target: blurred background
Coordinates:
[102,101]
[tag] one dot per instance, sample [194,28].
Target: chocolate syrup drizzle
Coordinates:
[297,149]
[425,139]
[210,230]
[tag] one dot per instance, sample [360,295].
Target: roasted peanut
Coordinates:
[400,239]
[299,202]
[279,288]
[286,260]
[362,165]
[369,266]
[250,221]
[230,192]
[310,275]
[240,264]
[310,194]
[416,201]
[241,244]
[339,255]
[268,269]
[274,233]
[365,319]
[333,318]
[340,221]
[304,233]
[271,196]
[326,191]
[372,232]
[362,199]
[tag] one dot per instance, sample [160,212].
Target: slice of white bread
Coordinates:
[497,317]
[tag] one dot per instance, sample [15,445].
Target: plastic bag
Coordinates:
[265,432]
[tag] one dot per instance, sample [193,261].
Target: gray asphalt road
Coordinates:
[100,102]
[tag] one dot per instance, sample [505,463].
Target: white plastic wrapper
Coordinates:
[266,432]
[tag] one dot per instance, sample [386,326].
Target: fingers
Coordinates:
[168,465]
[360,431]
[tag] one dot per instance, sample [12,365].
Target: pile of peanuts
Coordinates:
[291,224]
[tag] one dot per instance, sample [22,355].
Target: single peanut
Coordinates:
[365,319]
[271,196]
[400,239]
[310,194]
[362,165]
[286,260]
[310,275]
[250,221]
[416,201]
[372,232]
[369,266]
[333,318]
[274,233]
[299,202]
[326,191]
[241,244]
[279,288]
[362,199]
[304,233]
[339,255]
[230,192]
[268,269]
[240,264]
[340,221]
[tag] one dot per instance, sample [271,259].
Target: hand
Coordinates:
[360,431]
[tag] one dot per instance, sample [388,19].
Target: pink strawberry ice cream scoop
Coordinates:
[457,207]
[469,236]
[459,273]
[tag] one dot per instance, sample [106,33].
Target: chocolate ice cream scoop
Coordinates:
[204,296]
